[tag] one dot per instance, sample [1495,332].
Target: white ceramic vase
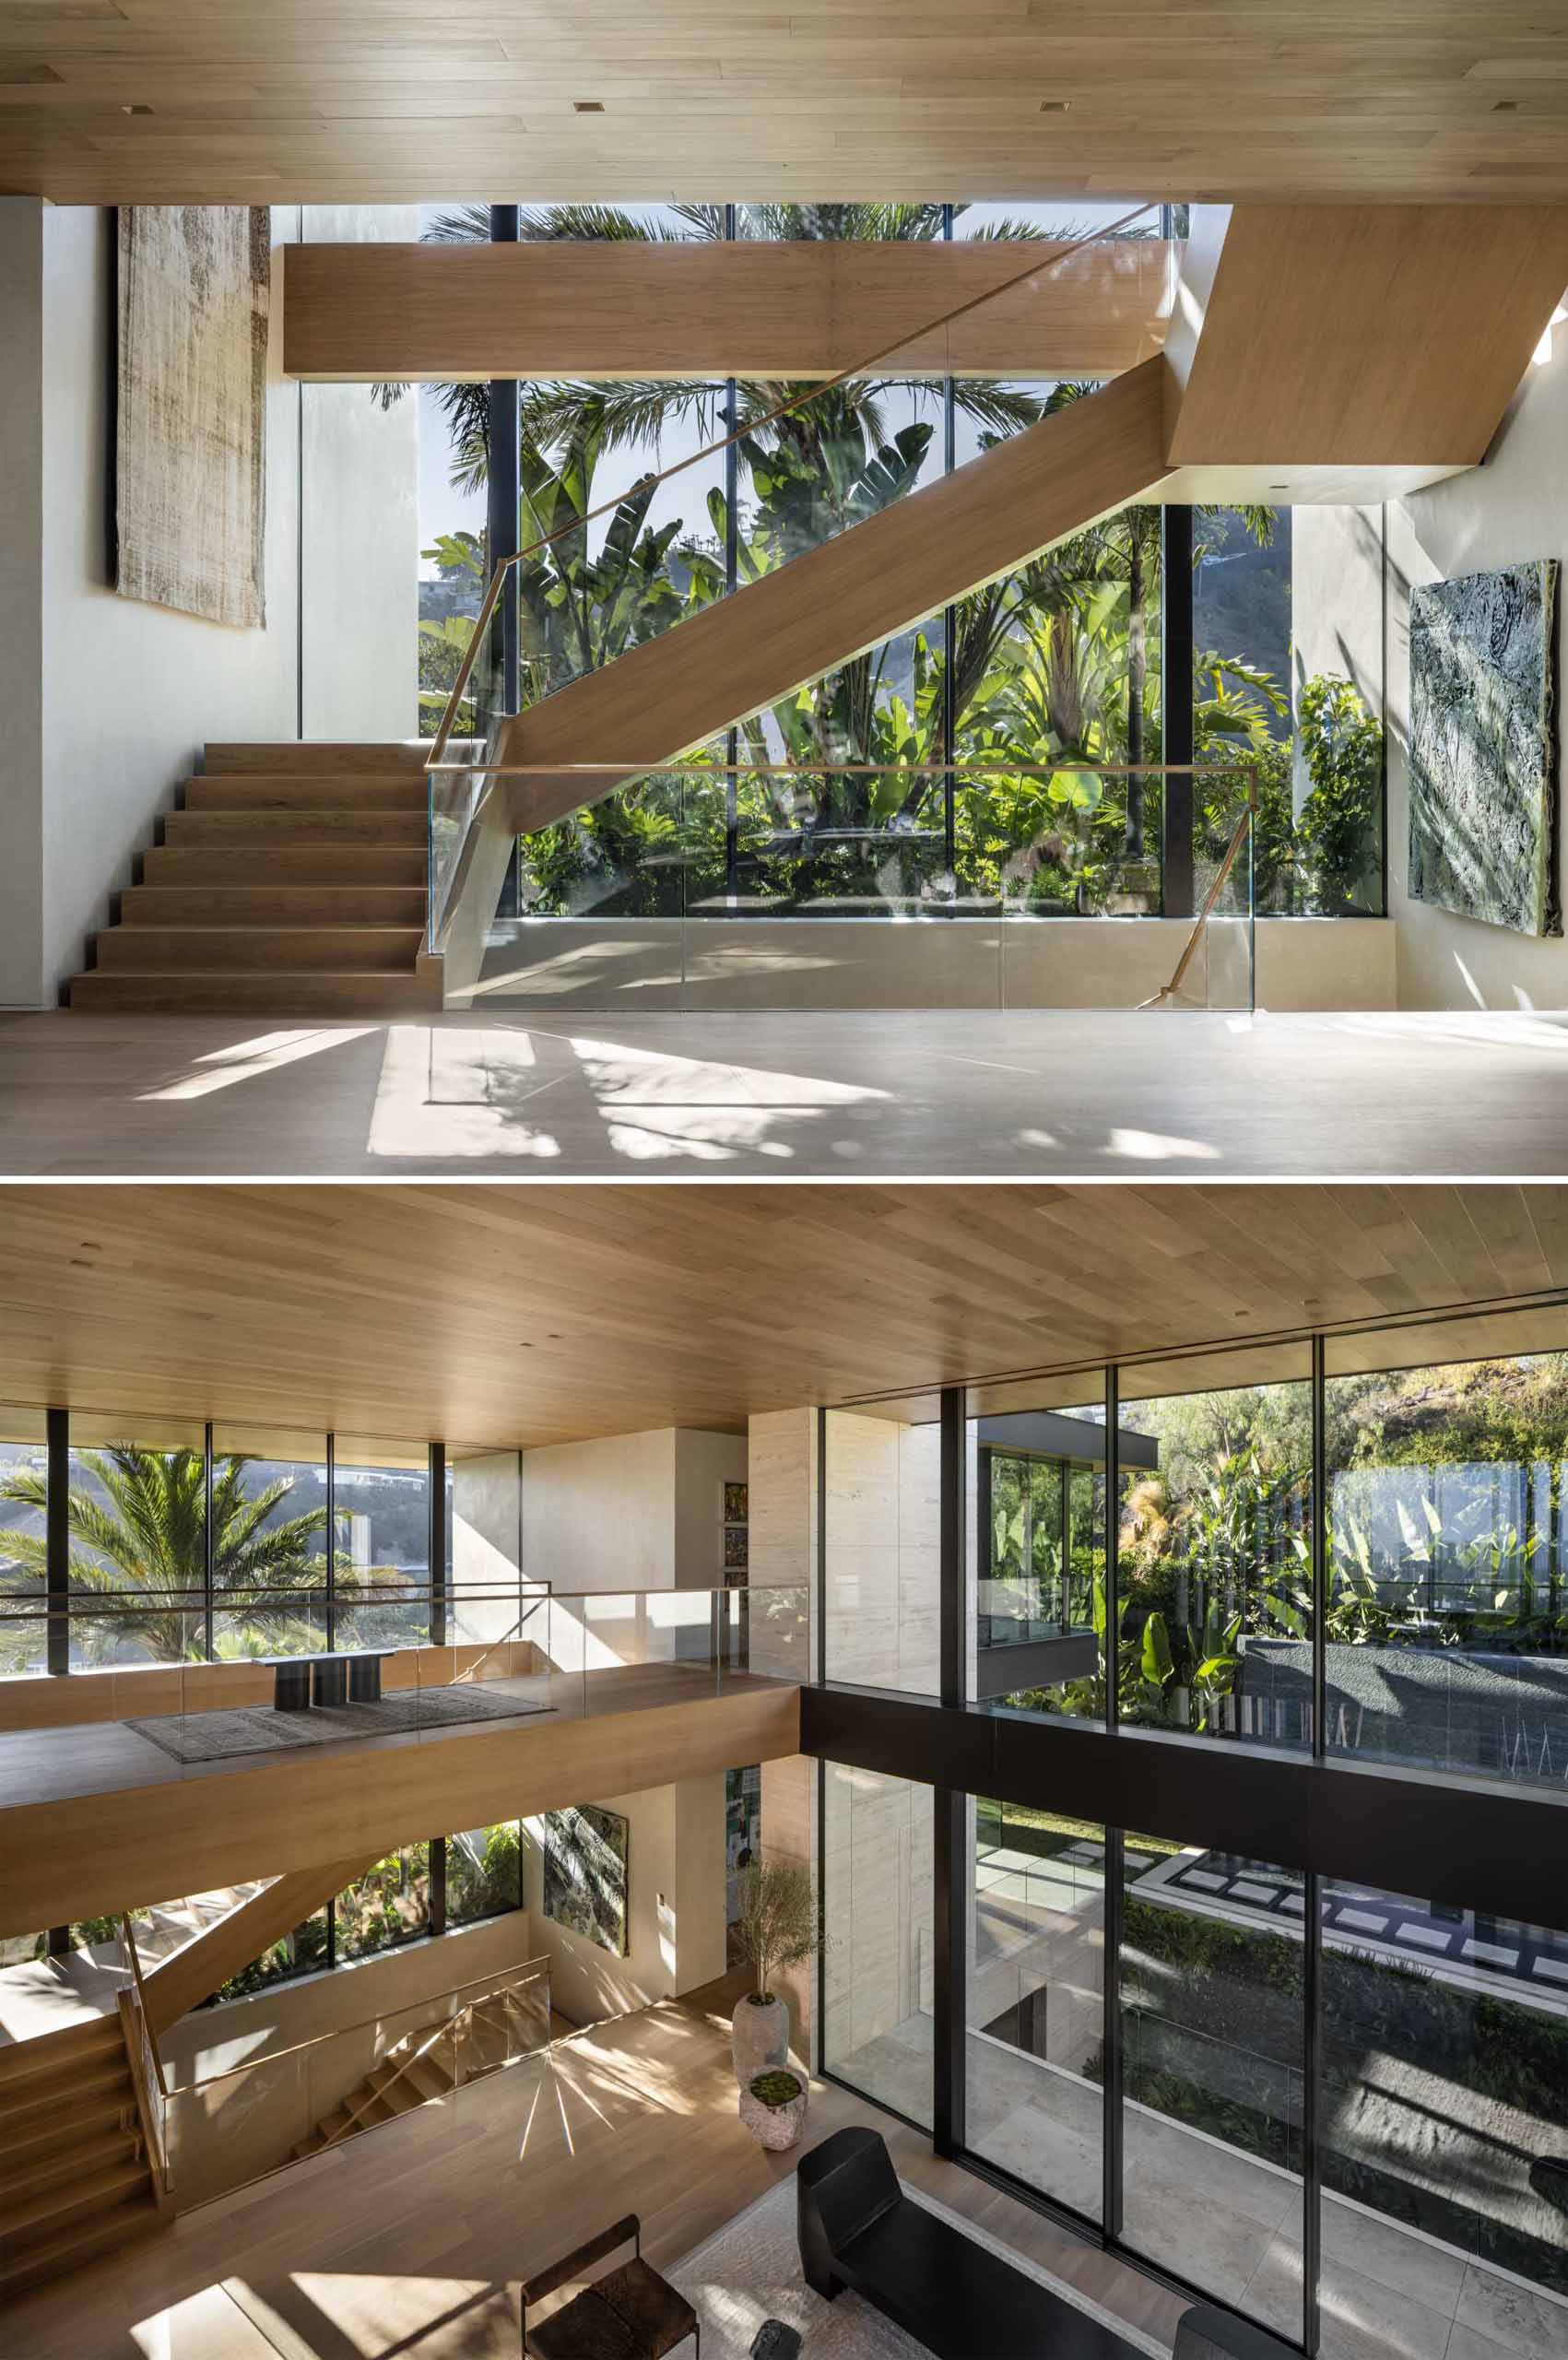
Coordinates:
[758,2038]
[773,2126]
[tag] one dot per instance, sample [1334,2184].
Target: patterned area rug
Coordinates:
[751,2271]
[212,1737]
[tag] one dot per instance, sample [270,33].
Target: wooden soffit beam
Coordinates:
[94,1854]
[424,313]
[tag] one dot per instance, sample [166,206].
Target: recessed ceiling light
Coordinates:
[587,106]
[1054,106]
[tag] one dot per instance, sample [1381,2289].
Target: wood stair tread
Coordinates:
[51,2051]
[32,2264]
[87,2153]
[50,2135]
[109,2081]
[110,2184]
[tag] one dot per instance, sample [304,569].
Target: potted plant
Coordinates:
[776,1929]
[772,2106]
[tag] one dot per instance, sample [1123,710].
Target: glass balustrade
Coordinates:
[711,871]
[227,2128]
[557,1654]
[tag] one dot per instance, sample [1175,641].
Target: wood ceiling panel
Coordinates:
[536,1314]
[1412,99]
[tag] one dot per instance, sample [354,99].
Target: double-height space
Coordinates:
[1021,1780]
[981,599]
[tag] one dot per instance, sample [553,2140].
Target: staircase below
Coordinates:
[74,2179]
[289,882]
[435,2061]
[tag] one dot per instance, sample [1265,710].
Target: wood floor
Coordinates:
[411,2242]
[784,1096]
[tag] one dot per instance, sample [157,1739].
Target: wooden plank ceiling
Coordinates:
[532,1314]
[166,102]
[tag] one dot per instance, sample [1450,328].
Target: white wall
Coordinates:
[21,616]
[676,1900]
[1512,509]
[487,1541]
[360,499]
[131,691]
[626,1512]
[704,1463]
[600,1516]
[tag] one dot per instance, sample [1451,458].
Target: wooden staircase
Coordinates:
[425,2065]
[289,882]
[74,2177]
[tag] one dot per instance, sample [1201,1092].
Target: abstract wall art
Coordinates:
[1483,749]
[190,453]
[586,1873]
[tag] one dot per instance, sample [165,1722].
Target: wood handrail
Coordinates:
[712,449]
[146,2065]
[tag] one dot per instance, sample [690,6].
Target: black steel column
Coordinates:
[1111,2089]
[949,1804]
[732,575]
[209,1648]
[1319,1549]
[955,1487]
[331,1540]
[1312,2126]
[1113,1583]
[1175,689]
[503,488]
[438,1565]
[57,1540]
[438,1884]
[949,622]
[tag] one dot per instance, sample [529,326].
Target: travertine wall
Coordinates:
[882,1508]
[782,1455]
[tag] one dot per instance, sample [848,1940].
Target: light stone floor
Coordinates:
[1225,2221]
[786,1095]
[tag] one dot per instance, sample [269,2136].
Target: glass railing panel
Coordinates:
[862,840]
[599,1652]
[1223,977]
[242,2123]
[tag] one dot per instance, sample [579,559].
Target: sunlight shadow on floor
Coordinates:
[247,1059]
[475,1093]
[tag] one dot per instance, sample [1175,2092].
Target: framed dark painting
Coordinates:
[585,1879]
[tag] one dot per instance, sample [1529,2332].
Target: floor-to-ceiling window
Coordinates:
[1447,1553]
[1180,1987]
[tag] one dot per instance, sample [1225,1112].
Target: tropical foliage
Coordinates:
[1446,1528]
[137,1521]
[976,740]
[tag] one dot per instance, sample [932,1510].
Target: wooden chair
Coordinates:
[628,2314]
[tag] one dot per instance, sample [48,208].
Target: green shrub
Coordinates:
[776,2090]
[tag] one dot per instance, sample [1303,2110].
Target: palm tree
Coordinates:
[635,412]
[139,1534]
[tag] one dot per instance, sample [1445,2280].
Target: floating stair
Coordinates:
[75,2181]
[289,882]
